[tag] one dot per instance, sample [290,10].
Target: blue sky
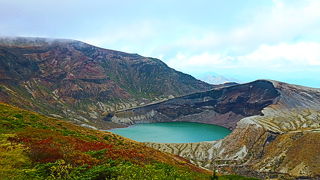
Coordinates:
[244,40]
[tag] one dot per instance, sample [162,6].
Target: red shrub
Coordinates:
[79,158]
[126,154]
[45,151]
[85,146]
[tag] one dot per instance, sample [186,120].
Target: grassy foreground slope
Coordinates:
[33,146]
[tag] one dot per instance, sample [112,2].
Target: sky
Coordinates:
[244,40]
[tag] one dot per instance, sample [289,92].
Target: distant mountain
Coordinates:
[76,81]
[217,79]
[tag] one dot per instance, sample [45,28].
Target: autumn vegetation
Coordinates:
[33,146]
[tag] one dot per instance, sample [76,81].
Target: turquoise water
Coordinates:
[173,132]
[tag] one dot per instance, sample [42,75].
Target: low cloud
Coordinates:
[280,56]
[284,55]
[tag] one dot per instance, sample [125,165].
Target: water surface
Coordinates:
[173,132]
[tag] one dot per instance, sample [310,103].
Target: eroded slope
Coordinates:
[283,143]
[221,106]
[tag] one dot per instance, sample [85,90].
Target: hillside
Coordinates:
[33,146]
[81,83]
[276,128]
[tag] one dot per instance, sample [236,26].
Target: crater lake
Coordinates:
[173,132]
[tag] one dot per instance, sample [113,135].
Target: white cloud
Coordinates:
[198,40]
[283,38]
[281,56]
[139,31]
[285,21]
[284,55]
[200,61]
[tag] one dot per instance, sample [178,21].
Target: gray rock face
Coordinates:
[221,106]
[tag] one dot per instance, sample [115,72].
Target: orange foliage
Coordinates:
[79,158]
[45,151]
[85,146]
[127,154]
[50,149]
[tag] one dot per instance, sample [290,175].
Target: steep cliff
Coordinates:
[223,106]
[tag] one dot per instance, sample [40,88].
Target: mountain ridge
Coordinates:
[65,78]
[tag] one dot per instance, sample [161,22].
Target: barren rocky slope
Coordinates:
[277,130]
[82,83]
[223,106]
